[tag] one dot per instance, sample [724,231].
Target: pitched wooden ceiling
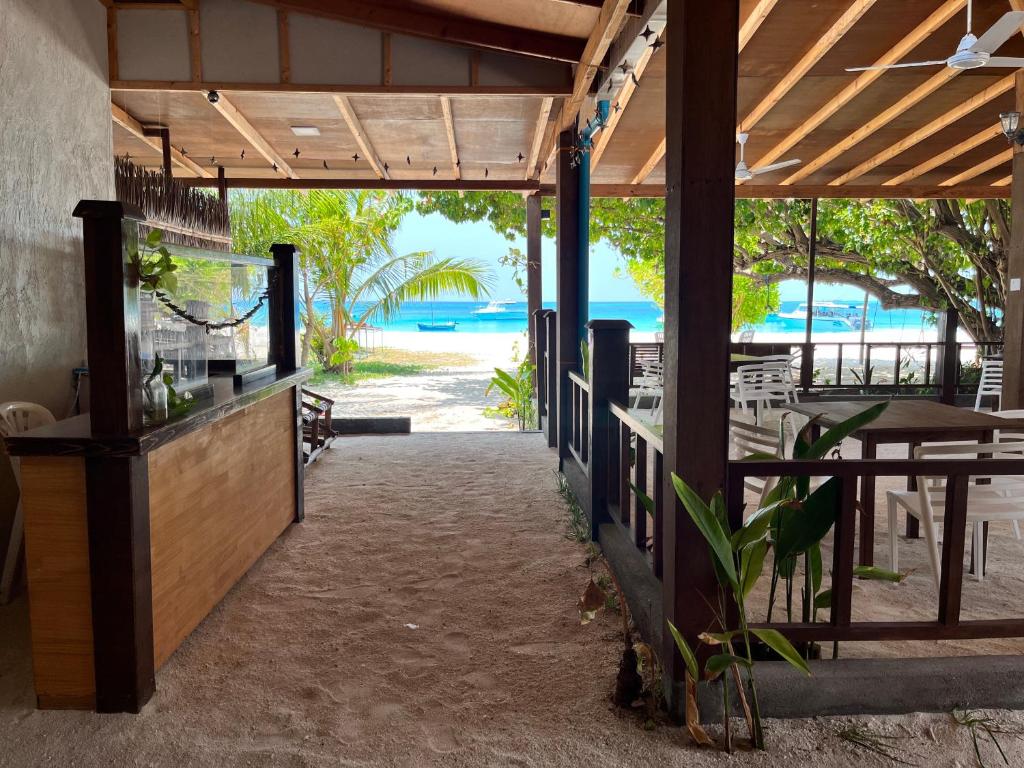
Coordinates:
[855,133]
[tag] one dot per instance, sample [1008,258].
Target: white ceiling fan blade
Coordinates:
[897,66]
[775,167]
[999,32]
[1004,61]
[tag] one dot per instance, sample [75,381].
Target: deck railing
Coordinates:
[615,457]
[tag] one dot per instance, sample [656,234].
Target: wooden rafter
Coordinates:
[650,164]
[996,89]
[284,47]
[754,21]
[352,120]
[917,95]
[426,91]
[939,17]
[112,60]
[195,47]
[993,162]
[601,37]
[942,158]
[239,122]
[409,19]
[834,34]
[127,121]
[532,167]
[629,87]
[449,129]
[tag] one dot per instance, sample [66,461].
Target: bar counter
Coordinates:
[130,541]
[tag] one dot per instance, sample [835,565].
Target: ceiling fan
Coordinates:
[973,52]
[743,173]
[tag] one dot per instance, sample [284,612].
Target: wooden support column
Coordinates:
[543,349]
[608,341]
[222,184]
[534,281]
[948,363]
[700,192]
[807,356]
[116,487]
[283,318]
[567,190]
[1013,318]
[551,376]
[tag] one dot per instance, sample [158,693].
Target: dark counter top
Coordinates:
[74,437]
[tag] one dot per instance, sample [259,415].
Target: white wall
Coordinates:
[55,149]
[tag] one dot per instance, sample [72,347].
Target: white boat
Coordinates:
[826,312]
[499,310]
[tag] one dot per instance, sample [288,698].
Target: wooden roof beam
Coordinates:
[239,122]
[942,158]
[650,164]
[938,17]
[601,38]
[543,117]
[917,95]
[629,87]
[409,19]
[993,162]
[123,118]
[758,15]
[857,192]
[996,89]
[359,133]
[449,129]
[832,36]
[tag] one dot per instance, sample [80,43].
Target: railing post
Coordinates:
[806,366]
[949,360]
[541,346]
[551,378]
[609,380]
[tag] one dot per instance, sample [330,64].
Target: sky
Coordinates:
[478,241]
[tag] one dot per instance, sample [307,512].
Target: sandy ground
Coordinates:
[424,614]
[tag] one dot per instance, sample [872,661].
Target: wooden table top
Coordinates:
[907,416]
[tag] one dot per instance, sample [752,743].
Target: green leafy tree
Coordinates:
[635,228]
[348,261]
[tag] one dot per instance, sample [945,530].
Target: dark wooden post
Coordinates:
[1013,317]
[949,357]
[551,377]
[609,380]
[116,487]
[534,281]
[700,188]
[222,184]
[110,230]
[567,286]
[283,308]
[807,353]
[164,134]
[542,344]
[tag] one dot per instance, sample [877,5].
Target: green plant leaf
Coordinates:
[844,429]
[783,647]
[874,573]
[755,527]
[814,563]
[154,237]
[645,500]
[709,528]
[801,525]
[716,665]
[684,650]
[752,564]
[717,507]
[823,600]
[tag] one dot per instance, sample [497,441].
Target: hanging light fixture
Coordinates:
[1010,122]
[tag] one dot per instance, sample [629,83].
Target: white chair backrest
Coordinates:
[932,487]
[751,438]
[18,416]
[991,381]
[746,336]
[1013,434]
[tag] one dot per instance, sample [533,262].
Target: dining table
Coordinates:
[908,421]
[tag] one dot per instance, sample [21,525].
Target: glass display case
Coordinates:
[218,289]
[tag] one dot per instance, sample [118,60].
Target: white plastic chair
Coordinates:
[991,383]
[751,438]
[17,417]
[746,336]
[651,385]
[1002,500]
[761,384]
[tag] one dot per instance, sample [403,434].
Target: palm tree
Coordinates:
[347,257]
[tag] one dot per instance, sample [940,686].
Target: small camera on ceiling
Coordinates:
[213,97]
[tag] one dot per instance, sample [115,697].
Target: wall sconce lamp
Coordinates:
[1010,122]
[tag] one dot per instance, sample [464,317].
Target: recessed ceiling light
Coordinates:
[305,130]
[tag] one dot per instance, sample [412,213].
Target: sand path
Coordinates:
[423,615]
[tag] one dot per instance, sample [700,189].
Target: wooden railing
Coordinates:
[637,467]
[545,376]
[579,419]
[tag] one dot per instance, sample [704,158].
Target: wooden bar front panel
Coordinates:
[218,499]
[57,560]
